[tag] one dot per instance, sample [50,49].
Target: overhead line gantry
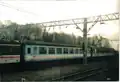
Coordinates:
[99,18]
[94,20]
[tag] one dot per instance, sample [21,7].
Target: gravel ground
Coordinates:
[47,73]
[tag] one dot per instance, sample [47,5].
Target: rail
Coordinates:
[77,76]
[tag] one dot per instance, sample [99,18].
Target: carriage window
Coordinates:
[65,51]
[80,51]
[76,51]
[51,50]
[71,50]
[42,50]
[12,50]
[28,50]
[59,50]
[34,50]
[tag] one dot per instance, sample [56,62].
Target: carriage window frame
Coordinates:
[65,51]
[57,51]
[29,50]
[80,51]
[62,50]
[70,50]
[9,49]
[76,51]
[45,52]
[35,50]
[53,52]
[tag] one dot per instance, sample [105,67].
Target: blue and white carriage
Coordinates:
[28,51]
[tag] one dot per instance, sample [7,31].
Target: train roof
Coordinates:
[49,44]
[9,42]
[38,43]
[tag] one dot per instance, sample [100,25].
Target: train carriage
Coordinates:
[9,53]
[30,51]
[42,51]
[14,52]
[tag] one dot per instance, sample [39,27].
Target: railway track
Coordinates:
[77,76]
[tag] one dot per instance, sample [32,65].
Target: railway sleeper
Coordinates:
[79,75]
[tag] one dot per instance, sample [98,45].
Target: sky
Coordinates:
[37,11]
[40,11]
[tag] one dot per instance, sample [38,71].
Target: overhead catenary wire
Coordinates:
[50,24]
[18,9]
[24,13]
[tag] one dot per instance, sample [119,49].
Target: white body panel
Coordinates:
[51,57]
[44,57]
[56,57]
[9,59]
[36,55]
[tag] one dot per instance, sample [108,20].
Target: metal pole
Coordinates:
[85,41]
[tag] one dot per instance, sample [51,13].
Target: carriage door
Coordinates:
[28,53]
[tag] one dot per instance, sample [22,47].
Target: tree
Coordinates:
[14,31]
